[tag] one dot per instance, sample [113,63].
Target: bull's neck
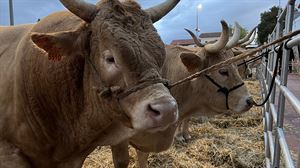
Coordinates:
[184,94]
[61,106]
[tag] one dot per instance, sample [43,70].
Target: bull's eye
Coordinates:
[110,60]
[224,72]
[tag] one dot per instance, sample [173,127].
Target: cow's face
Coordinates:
[239,100]
[124,47]
[208,87]
[243,68]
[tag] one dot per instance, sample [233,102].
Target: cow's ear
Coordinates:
[56,44]
[191,61]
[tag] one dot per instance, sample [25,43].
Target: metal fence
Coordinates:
[276,148]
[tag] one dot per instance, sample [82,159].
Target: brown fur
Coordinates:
[50,114]
[199,97]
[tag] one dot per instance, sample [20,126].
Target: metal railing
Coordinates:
[276,148]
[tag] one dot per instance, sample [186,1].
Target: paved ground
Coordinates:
[292,119]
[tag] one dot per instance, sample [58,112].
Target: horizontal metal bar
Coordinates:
[293,42]
[271,51]
[273,112]
[285,149]
[292,99]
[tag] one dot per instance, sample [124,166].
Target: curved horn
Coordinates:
[159,11]
[249,41]
[196,40]
[80,8]
[235,37]
[247,37]
[221,43]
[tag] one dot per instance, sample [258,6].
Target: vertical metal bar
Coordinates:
[298,161]
[268,77]
[283,78]
[11,13]
[265,117]
[278,28]
[268,113]
[267,144]
[197,22]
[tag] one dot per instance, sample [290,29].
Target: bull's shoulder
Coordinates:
[8,32]
[10,37]
[56,22]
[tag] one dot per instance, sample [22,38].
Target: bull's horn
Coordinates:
[247,37]
[235,37]
[196,40]
[221,43]
[249,41]
[80,8]
[159,11]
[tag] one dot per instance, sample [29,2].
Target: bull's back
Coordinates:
[15,44]
[10,37]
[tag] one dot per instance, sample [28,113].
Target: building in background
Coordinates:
[183,42]
[209,37]
[204,39]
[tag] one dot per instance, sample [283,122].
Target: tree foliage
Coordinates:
[267,24]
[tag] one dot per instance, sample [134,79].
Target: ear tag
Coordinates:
[54,55]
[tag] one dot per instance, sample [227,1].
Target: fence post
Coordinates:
[283,79]
[298,161]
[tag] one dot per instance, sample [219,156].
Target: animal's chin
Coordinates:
[157,129]
[238,111]
[229,112]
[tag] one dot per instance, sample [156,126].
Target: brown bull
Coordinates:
[199,96]
[234,45]
[65,80]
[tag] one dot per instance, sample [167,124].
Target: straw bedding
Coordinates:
[224,141]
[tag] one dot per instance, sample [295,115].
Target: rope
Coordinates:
[254,58]
[224,90]
[234,59]
[278,62]
[117,92]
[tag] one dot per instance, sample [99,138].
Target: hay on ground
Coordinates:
[222,142]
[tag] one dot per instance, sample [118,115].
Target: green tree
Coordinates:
[268,20]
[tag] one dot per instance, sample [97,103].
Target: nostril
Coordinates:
[153,110]
[250,101]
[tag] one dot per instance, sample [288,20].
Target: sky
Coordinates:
[171,27]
